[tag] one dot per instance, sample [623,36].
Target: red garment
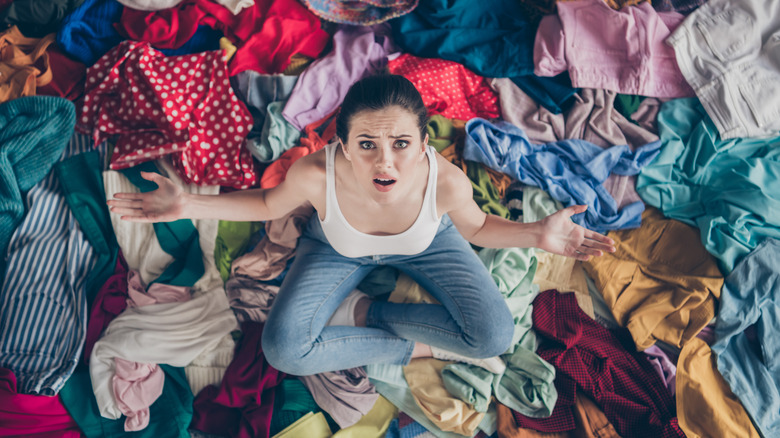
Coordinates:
[110,301]
[67,76]
[448,88]
[243,404]
[605,366]
[178,105]
[32,415]
[277,29]
[311,142]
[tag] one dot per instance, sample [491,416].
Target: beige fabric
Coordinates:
[706,407]
[449,413]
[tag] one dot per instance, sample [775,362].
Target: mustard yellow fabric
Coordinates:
[661,283]
[374,424]
[706,407]
[310,425]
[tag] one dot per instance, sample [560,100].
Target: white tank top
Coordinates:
[349,242]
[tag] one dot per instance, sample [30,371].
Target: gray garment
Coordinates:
[346,395]
[257,90]
[592,117]
[277,136]
[729,52]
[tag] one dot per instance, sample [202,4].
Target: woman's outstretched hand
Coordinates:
[562,236]
[165,204]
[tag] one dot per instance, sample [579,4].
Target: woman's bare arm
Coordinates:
[169,203]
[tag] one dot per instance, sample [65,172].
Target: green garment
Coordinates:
[34,131]
[278,135]
[232,241]
[441,132]
[729,189]
[82,185]
[169,416]
[178,238]
[627,104]
[293,401]
[527,384]
[485,193]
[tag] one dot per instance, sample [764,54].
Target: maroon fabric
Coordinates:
[243,404]
[110,301]
[605,366]
[277,29]
[32,415]
[68,77]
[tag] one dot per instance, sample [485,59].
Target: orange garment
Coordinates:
[661,283]
[588,417]
[24,64]
[311,142]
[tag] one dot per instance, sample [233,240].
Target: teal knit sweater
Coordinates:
[33,134]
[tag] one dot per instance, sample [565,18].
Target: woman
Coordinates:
[382,197]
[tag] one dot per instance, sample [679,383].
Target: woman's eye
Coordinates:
[366,145]
[401,144]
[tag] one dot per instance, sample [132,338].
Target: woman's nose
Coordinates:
[384,158]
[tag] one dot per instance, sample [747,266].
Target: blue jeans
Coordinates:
[472,319]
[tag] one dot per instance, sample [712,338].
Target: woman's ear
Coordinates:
[344,150]
[424,146]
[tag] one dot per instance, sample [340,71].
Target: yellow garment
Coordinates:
[706,407]
[449,413]
[408,291]
[661,283]
[310,425]
[298,64]
[374,424]
[228,47]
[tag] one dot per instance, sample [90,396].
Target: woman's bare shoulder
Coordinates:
[453,187]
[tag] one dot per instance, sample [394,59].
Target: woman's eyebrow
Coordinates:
[369,136]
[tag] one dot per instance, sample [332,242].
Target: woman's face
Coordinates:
[385,150]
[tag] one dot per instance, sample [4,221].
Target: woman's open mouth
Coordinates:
[384,184]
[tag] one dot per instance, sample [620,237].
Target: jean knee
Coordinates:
[496,336]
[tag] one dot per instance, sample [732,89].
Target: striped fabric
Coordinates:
[43,310]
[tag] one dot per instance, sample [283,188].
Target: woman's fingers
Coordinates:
[600,241]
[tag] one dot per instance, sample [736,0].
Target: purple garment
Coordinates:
[357,52]
[663,366]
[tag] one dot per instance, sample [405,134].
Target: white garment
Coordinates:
[729,52]
[173,333]
[149,5]
[349,242]
[235,6]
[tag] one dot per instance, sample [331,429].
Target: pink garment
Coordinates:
[620,50]
[137,385]
[448,88]
[179,105]
[32,415]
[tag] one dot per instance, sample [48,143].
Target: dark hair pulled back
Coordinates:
[380,92]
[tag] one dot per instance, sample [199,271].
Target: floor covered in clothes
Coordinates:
[661,116]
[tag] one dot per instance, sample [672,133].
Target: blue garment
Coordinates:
[751,295]
[493,38]
[473,319]
[554,93]
[88,33]
[571,171]
[43,311]
[33,133]
[729,189]
[257,90]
